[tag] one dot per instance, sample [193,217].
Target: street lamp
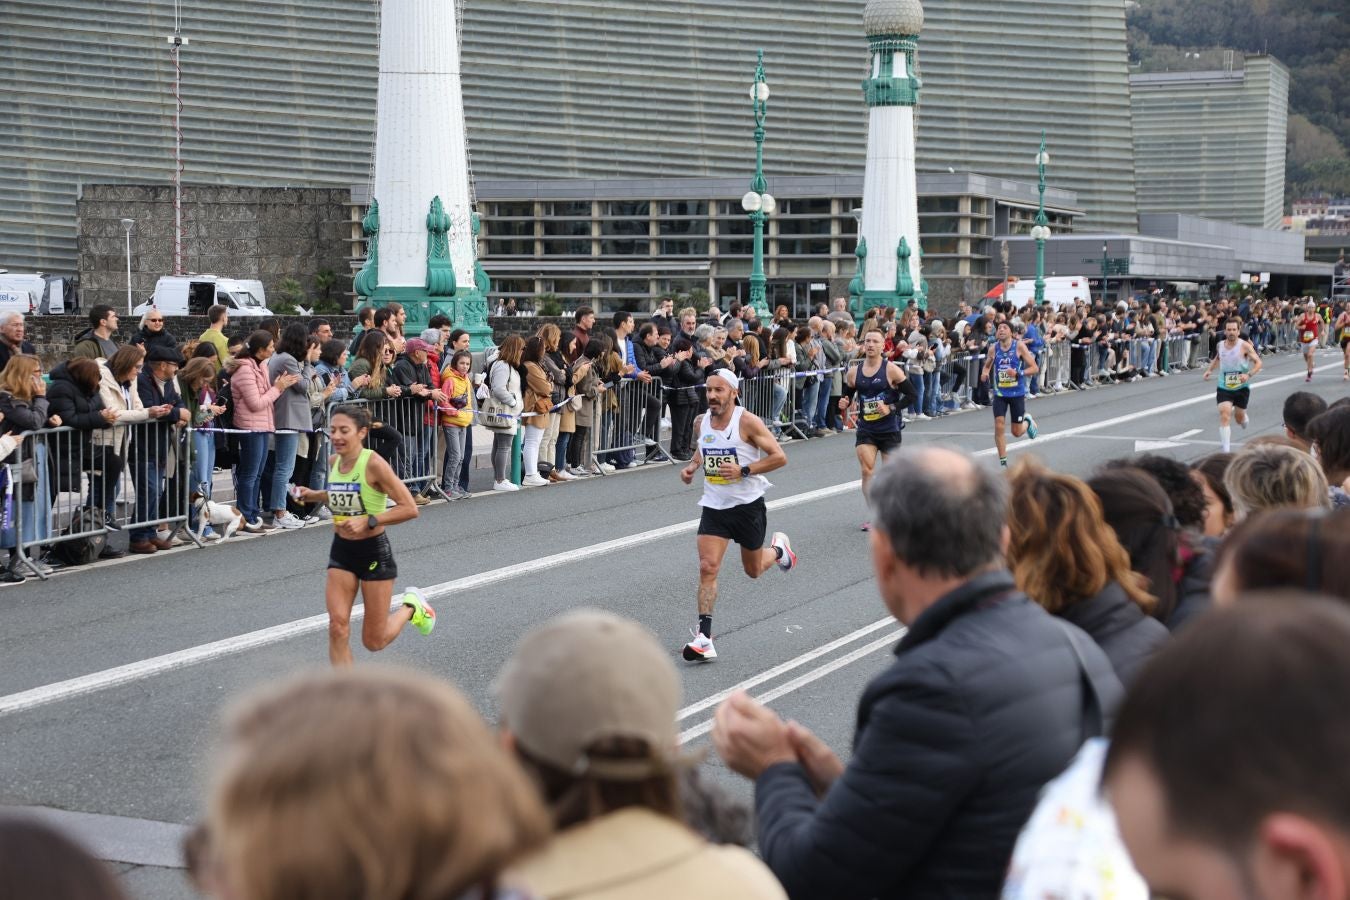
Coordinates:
[1040,232]
[128,224]
[1106,269]
[758,202]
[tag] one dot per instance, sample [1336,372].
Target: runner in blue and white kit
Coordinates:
[1231,359]
[1010,363]
[734,449]
[882,389]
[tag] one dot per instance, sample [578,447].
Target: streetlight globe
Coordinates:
[751,202]
[769,203]
[1042,158]
[760,91]
[128,224]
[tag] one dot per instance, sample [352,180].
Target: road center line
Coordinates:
[158,665]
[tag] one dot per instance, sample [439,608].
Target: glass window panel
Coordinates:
[941,245]
[513,208]
[803,247]
[625,247]
[814,206]
[939,204]
[683,226]
[568,286]
[568,227]
[941,224]
[942,266]
[625,286]
[684,208]
[568,247]
[626,208]
[803,226]
[624,227]
[510,228]
[574,208]
[695,247]
[512,286]
[737,247]
[497,247]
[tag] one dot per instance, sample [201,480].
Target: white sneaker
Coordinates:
[533,480]
[700,649]
[787,560]
[287,520]
[577,472]
[665,423]
[922,418]
[605,467]
[563,474]
[505,486]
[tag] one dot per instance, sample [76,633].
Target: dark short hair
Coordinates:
[315,324]
[206,350]
[1268,678]
[381,316]
[332,351]
[1300,408]
[457,334]
[582,312]
[619,318]
[1285,547]
[440,320]
[1174,477]
[99,313]
[938,525]
[646,329]
[360,415]
[365,315]
[1331,433]
[217,313]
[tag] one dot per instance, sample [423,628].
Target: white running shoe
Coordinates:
[700,649]
[787,561]
[577,472]
[505,486]
[564,475]
[605,467]
[533,480]
[287,520]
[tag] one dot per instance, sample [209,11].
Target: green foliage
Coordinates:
[547,305]
[324,282]
[698,298]
[288,297]
[1311,37]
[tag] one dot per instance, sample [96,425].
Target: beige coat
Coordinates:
[119,436]
[635,854]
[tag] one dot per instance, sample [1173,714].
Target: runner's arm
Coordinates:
[850,388]
[1250,352]
[1029,359]
[1213,364]
[761,437]
[908,393]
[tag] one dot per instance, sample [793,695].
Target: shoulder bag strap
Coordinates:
[1093,715]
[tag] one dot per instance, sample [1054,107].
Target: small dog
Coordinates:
[225,519]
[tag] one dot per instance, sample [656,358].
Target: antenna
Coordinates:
[176,43]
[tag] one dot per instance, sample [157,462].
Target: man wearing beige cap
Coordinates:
[734,450]
[596,731]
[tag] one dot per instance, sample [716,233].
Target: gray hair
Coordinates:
[10,316]
[703,332]
[942,514]
[1269,476]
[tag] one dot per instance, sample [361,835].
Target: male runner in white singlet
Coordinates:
[734,450]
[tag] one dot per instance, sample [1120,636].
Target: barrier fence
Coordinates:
[71,488]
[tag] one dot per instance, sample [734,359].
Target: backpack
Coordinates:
[82,551]
[227,445]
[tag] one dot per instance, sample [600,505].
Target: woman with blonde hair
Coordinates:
[1269,476]
[23,407]
[502,408]
[1067,558]
[538,400]
[372,783]
[555,368]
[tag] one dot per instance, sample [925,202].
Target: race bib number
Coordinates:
[713,458]
[1232,381]
[345,500]
[871,409]
[1309,337]
[1007,378]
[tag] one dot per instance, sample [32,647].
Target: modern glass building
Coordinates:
[1212,143]
[282,92]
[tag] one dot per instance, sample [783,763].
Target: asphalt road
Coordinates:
[113,678]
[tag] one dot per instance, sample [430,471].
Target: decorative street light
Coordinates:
[128,224]
[758,202]
[1040,232]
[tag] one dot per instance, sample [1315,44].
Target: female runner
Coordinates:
[359,482]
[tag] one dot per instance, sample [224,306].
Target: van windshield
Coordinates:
[242,299]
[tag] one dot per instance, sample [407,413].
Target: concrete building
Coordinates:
[282,93]
[1212,143]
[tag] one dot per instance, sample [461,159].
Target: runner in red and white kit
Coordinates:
[1341,332]
[1309,327]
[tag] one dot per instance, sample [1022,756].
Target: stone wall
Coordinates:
[234,232]
[54,336]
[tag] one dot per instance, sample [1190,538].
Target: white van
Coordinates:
[32,293]
[193,295]
[1060,291]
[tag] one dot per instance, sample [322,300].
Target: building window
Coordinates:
[510,247]
[694,247]
[684,208]
[631,286]
[806,206]
[578,287]
[568,208]
[680,285]
[513,286]
[941,245]
[626,208]
[567,247]
[567,227]
[803,237]
[939,204]
[942,266]
[519,208]
[941,225]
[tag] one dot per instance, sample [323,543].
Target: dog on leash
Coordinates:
[225,519]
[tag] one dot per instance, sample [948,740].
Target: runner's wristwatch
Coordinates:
[745,471]
[372,522]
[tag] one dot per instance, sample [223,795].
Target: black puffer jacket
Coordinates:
[148,339]
[983,705]
[1120,628]
[78,409]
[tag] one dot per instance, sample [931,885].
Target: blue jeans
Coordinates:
[916,379]
[930,393]
[248,473]
[560,456]
[779,398]
[1034,381]
[810,394]
[203,461]
[283,467]
[149,476]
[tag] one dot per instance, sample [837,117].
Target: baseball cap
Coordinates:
[558,702]
[416,344]
[726,375]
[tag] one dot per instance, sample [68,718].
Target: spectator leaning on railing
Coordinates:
[74,396]
[23,407]
[154,452]
[290,416]
[254,402]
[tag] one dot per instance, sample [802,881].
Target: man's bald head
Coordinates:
[941,514]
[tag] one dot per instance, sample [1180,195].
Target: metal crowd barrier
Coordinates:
[405,432]
[63,484]
[631,420]
[1056,368]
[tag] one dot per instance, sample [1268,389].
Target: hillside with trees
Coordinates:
[1311,37]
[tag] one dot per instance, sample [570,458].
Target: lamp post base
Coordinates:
[466,309]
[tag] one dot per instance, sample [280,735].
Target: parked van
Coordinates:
[193,295]
[32,293]
[1060,290]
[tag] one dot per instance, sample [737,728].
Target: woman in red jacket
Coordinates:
[253,402]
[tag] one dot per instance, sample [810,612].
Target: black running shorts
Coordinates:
[745,524]
[886,442]
[1015,408]
[369,559]
[1237,398]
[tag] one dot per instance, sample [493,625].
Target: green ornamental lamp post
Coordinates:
[1040,232]
[758,202]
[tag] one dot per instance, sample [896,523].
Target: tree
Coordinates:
[288,297]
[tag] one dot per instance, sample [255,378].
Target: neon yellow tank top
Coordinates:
[350,494]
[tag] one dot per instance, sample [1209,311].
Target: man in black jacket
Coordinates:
[153,445]
[989,697]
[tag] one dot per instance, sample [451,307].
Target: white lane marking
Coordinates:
[769,674]
[158,665]
[1142,445]
[1185,434]
[804,679]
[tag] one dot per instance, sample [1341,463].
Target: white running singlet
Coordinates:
[717,447]
[1232,364]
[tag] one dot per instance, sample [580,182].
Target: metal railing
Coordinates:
[405,432]
[628,419]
